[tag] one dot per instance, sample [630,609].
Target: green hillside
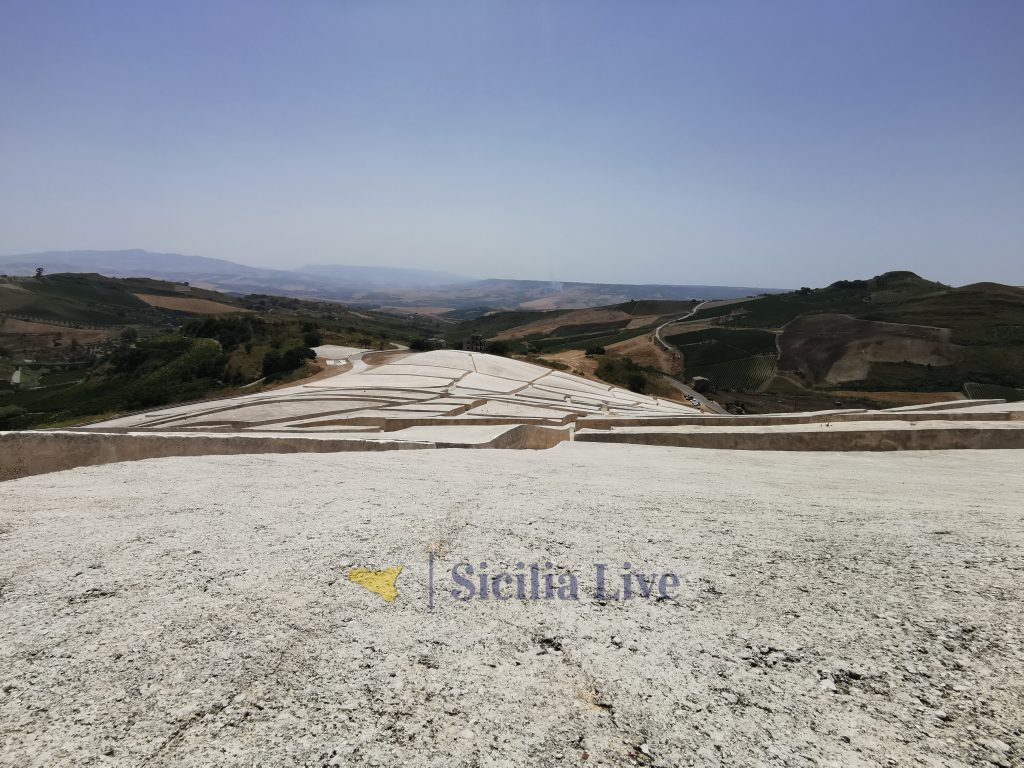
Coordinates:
[844,297]
[87,346]
[90,299]
[894,332]
[565,328]
[982,324]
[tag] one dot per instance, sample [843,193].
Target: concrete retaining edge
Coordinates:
[922,439]
[35,453]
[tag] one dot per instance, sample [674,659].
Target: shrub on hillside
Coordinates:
[149,354]
[229,330]
[187,376]
[9,416]
[202,360]
[276,363]
[624,372]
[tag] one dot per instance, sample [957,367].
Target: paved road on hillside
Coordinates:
[657,331]
[356,361]
[710,404]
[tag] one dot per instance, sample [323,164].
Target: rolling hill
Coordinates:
[93,299]
[888,339]
[855,341]
[74,346]
[896,331]
[371,287]
[324,281]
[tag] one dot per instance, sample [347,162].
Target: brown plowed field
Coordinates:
[187,304]
[831,349]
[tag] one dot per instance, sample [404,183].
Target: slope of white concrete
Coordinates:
[833,610]
[438,385]
[433,392]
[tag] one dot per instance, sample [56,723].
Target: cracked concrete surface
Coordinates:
[835,610]
[506,386]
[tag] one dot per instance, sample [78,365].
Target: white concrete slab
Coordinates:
[333,352]
[508,369]
[513,410]
[416,370]
[561,381]
[444,358]
[1017,407]
[487,383]
[379,380]
[944,405]
[449,433]
[268,411]
[390,394]
[428,407]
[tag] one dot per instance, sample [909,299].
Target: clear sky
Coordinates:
[777,143]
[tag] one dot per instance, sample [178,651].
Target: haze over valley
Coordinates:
[359,284]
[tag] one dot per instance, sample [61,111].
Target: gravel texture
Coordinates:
[834,610]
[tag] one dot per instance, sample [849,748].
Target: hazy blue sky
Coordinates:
[704,141]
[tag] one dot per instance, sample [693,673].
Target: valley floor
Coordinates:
[835,609]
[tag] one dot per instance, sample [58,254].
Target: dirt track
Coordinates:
[835,609]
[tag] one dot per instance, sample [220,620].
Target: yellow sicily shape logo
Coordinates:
[379,582]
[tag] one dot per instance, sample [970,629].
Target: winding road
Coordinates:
[711,405]
[657,331]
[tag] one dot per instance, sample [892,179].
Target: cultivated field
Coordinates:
[19,335]
[188,304]
[578,320]
[833,349]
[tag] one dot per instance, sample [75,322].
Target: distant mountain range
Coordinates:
[226,275]
[384,277]
[368,286]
